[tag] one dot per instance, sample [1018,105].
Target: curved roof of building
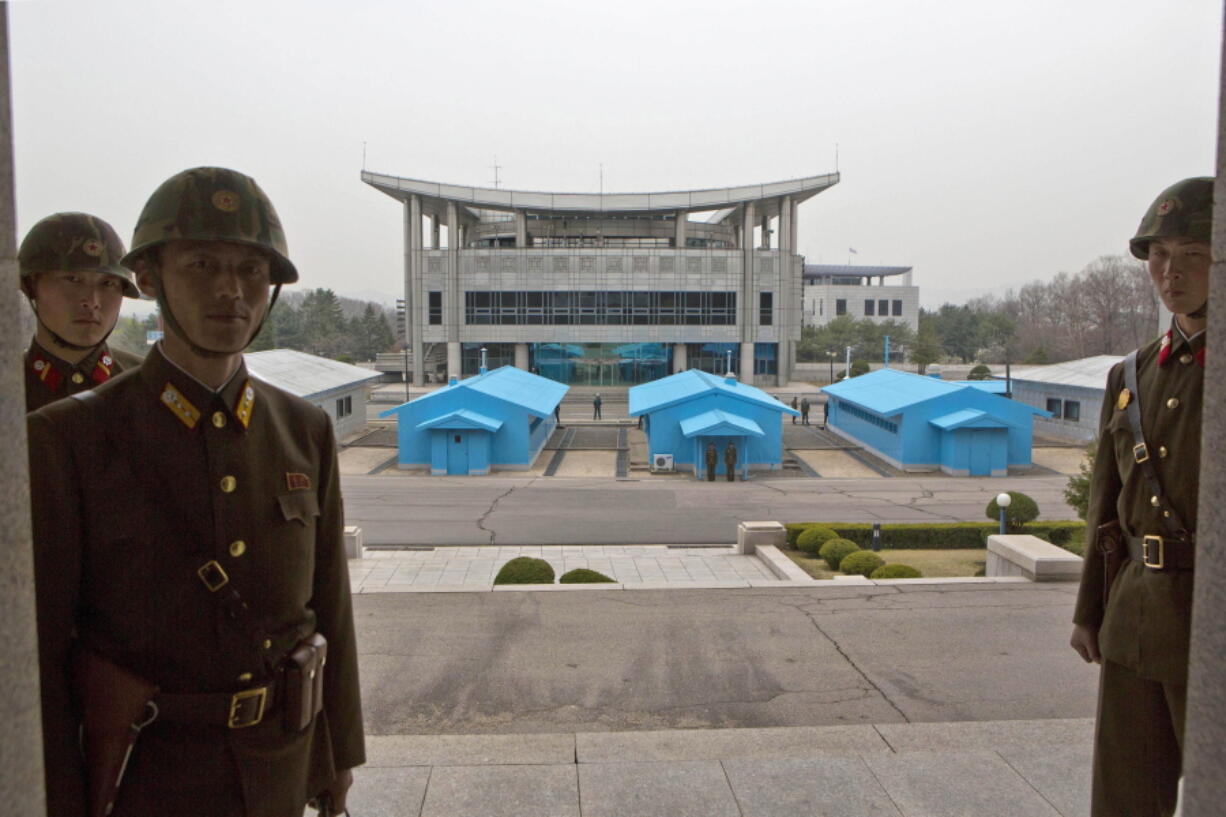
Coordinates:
[851,270]
[496,198]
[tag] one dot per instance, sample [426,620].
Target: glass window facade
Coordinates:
[897,308]
[1072,410]
[496,354]
[840,306]
[600,308]
[436,308]
[766,310]
[868,307]
[601,364]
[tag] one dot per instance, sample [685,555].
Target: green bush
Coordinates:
[1021,510]
[896,571]
[858,367]
[525,570]
[836,550]
[980,372]
[794,530]
[941,535]
[1077,492]
[581,575]
[812,539]
[862,562]
[1058,533]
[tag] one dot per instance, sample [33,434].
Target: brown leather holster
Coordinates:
[304,682]
[115,705]
[1109,539]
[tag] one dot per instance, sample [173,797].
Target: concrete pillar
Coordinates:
[787,243]
[521,229]
[21,751]
[746,373]
[521,356]
[766,232]
[435,233]
[681,358]
[1204,761]
[681,229]
[412,286]
[453,307]
[453,359]
[747,299]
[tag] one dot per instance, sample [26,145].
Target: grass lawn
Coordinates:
[932,563]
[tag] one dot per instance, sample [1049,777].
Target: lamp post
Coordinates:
[847,370]
[1003,501]
[830,355]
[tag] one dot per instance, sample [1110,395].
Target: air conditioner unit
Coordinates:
[661,462]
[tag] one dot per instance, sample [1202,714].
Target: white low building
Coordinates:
[864,293]
[1072,391]
[338,388]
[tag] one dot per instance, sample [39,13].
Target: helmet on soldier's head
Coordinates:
[1183,210]
[213,204]
[73,242]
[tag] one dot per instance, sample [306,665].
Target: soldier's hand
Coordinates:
[333,797]
[1085,642]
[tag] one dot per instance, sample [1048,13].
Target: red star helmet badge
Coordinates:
[225,200]
[92,247]
[1164,207]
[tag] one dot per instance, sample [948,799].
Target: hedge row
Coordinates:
[936,535]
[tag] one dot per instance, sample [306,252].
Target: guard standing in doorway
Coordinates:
[71,274]
[596,407]
[730,461]
[712,461]
[1134,606]
[804,411]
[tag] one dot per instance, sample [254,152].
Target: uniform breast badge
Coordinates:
[1124,399]
[297,482]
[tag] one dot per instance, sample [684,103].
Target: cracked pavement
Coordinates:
[588,661]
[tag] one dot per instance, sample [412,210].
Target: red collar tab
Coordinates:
[103,368]
[1164,354]
[1200,358]
[45,370]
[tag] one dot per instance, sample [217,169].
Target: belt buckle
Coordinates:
[1159,545]
[247,707]
[1140,453]
[213,575]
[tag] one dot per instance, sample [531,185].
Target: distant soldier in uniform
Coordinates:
[730,461]
[826,412]
[596,407]
[794,408]
[209,590]
[712,461]
[804,411]
[71,274]
[1140,632]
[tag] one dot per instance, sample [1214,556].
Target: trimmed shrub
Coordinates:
[525,570]
[794,530]
[896,571]
[811,540]
[1058,533]
[980,372]
[858,367]
[581,575]
[836,550]
[942,535]
[862,563]
[1021,510]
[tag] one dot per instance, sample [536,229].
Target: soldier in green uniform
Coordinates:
[1140,633]
[730,461]
[71,274]
[712,460]
[228,556]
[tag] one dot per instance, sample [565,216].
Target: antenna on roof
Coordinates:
[836,157]
[602,178]
[363,154]
[497,167]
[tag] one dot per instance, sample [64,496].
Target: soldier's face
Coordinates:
[80,307]
[217,290]
[1179,268]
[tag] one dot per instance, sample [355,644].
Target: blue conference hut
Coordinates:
[922,424]
[685,412]
[499,419]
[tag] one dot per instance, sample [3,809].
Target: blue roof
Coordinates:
[462,419]
[720,423]
[537,394]
[990,386]
[687,385]
[968,418]
[889,391]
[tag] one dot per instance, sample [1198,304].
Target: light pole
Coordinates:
[847,365]
[402,315]
[830,355]
[1003,501]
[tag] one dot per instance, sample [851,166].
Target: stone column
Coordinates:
[412,285]
[21,751]
[681,228]
[766,232]
[747,300]
[681,358]
[453,308]
[746,374]
[521,229]
[521,356]
[1204,761]
[453,360]
[435,233]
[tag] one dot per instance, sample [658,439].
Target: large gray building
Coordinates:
[604,289]
[864,293]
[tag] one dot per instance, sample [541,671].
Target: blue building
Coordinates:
[923,424]
[687,411]
[499,419]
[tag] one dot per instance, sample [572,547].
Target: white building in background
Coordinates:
[862,293]
[604,289]
[1072,391]
[337,388]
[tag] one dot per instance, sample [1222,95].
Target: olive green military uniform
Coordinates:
[712,460]
[1143,631]
[49,378]
[730,462]
[246,476]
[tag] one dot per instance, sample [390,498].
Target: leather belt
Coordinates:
[1162,552]
[234,710]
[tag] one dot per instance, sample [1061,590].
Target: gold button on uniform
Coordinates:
[268,643]
[1153,500]
[237,548]
[1162,451]
[244,678]
[219,420]
[1172,403]
[228,484]
[78,378]
[1185,358]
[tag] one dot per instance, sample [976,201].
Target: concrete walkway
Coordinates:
[1027,768]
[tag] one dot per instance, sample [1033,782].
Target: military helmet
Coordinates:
[1183,210]
[73,242]
[213,204]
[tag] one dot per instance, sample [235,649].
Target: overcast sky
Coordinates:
[986,144]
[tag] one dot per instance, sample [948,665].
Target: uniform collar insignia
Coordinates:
[246,404]
[52,371]
[104,366]
[180,406]
[1164,353]
[45,370]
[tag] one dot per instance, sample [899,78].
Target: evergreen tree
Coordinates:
[324,328]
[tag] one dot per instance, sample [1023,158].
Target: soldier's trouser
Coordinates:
[1138,743]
